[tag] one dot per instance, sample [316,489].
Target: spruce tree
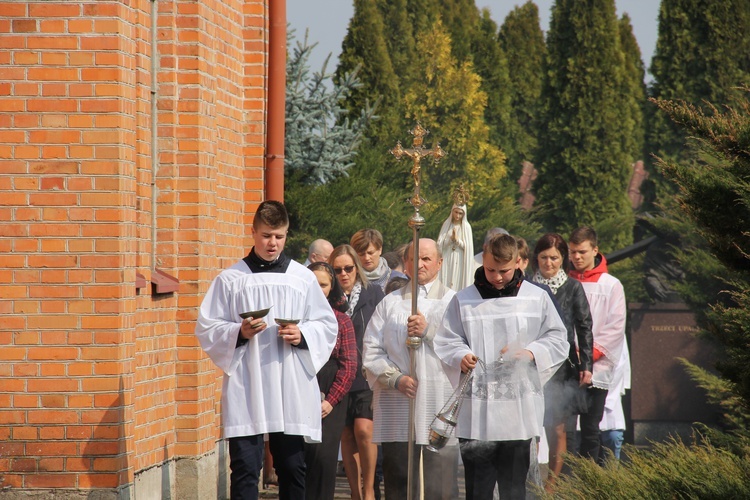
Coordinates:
[583,167]
[522,41]
[321,138]
[702,55]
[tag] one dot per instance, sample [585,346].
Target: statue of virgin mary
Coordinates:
[457,244]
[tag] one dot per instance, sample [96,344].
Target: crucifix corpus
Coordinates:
[416,222]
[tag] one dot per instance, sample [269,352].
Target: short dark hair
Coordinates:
[502,247]
[523,248]
[396,283]
[362,239]
[393,260]
[552,240]
[582,234]
[271,213]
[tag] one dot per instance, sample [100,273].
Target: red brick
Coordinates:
[56,261]
[50,481]
[52,42]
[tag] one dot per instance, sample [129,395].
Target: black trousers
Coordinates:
[246,460]
[590,443]
[440,471]
[486,463]
[322,458]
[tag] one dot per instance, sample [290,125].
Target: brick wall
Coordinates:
[99,380]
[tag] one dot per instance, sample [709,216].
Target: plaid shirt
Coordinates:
[345,353]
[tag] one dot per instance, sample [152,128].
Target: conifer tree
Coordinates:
[400,38]
[583,167]
[460,20]
[633,91]
[522,41]
[364,47]
[449,102]
[321,138]
[702,55]
[491,65]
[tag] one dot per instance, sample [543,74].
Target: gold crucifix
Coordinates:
[416,153]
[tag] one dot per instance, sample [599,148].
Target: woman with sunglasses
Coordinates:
[335,379]
[358,451]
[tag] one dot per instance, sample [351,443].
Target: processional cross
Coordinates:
[416,222]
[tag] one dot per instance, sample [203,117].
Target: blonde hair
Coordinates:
[348,250]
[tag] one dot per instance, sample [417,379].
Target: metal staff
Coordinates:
[416,222]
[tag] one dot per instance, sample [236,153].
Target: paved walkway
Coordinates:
[343,491]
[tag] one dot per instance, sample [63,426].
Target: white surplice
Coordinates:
[269,385]
[386,356]
[506,402]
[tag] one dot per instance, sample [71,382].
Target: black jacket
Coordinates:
[574,307]
[369,298]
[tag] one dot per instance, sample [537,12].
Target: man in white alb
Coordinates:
[386,360]
[269,366]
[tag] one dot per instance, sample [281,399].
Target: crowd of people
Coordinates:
[316,363]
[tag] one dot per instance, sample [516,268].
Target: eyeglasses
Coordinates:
[345,269]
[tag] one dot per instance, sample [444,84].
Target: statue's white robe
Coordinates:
[269,386]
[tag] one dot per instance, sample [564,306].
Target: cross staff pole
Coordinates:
[416,222]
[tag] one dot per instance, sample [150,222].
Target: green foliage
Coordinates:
[365,47]
[669,470]
[583,167]
[633,91]
[702,55]
[321,140]
[712,211]
[460,19]
[492,67]
[335,211]
[522,41]
[722,393]
[449,102]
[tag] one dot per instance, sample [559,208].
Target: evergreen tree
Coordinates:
[364,47]
[712,215]
[522,41]
[714,194]
[492,67]
[583,167]
[399,36]
[702,55]
[321,141]
[449,102]
[460,20]
[633,91]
